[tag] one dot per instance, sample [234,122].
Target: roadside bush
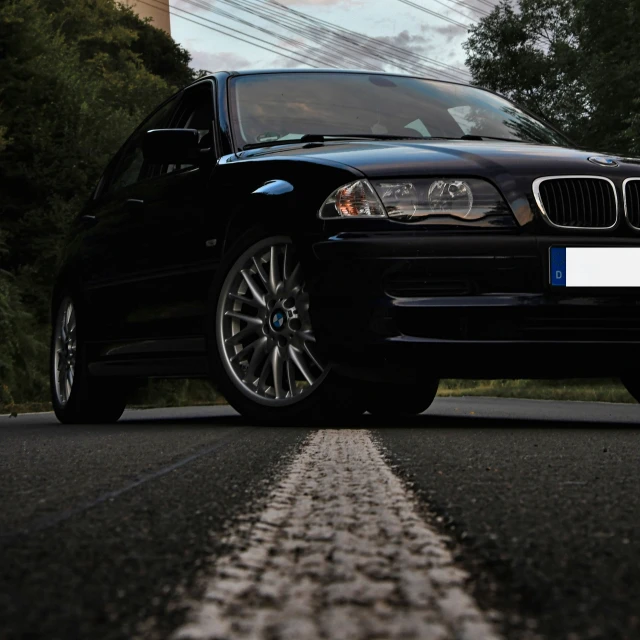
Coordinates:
[75,79]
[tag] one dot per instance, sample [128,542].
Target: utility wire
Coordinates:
[316,56]
[464,15]
[325,35]
[489,4]
[291,41]
[466,5]
[373,42]
[220,31]
[329,36]
[434,13]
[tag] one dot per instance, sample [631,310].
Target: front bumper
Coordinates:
[466,305]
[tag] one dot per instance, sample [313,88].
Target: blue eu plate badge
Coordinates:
[558,266]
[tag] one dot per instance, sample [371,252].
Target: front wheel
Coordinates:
[76,396]
[264,352]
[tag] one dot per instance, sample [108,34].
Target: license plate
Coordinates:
[594,266]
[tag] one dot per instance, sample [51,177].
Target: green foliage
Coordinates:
[176,393]
[585,390]
[22,352]
[571,61]
[75,79]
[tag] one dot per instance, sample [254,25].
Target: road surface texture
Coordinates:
[481,519]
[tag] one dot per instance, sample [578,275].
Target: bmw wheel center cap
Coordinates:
[278,320]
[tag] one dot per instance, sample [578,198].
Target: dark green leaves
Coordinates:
[574,62]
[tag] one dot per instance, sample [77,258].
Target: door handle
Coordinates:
[133,204]
[88,220]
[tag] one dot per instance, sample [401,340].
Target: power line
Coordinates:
[295,43]
[327,35]
[489,4]
[220,31]
[466,5]
[434,13]
[468,17]
[300,23]
[372,42]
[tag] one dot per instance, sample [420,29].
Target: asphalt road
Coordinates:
[121,531]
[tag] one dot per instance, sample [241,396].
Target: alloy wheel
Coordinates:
[65,346]
[265,338]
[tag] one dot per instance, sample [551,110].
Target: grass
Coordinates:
[590,390]
[167,393]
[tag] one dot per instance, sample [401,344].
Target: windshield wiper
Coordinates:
[468,136]
[321,137]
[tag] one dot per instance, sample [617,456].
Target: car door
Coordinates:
[114,250]
[181,232]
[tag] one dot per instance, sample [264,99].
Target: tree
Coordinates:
[560,59]
[75,79]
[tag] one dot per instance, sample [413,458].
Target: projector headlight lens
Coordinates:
[451,197]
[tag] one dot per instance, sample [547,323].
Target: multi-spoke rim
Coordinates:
[64,364]
[264,330]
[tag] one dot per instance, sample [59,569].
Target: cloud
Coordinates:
[219,61]
[450,32]
[411,43]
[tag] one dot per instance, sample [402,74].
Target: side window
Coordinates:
[196,112]
[130,166]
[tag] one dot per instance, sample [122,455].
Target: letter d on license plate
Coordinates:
[594,266]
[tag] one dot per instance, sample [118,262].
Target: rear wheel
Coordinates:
[77,397]
[389,400]
[264,351]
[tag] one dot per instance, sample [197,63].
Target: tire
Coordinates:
[632,385]
[76,396]
[392,400]
[262,350]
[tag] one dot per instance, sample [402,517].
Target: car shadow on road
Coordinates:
[440,422]
[135,421]
[425,421]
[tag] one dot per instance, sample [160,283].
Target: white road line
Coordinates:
[338,553]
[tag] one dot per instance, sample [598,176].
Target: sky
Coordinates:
[418,36]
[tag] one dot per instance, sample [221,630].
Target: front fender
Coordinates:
[275,205]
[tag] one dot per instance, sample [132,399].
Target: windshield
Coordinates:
[267,108]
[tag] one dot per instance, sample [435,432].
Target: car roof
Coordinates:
[251,72]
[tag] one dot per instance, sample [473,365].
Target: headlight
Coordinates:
[427,200]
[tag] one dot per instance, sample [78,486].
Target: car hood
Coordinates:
[377,159]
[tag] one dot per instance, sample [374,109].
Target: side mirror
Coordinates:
[172,146]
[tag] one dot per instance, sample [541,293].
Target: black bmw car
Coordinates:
[324,242]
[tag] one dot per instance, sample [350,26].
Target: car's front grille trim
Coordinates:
[631,199]
[591,207]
